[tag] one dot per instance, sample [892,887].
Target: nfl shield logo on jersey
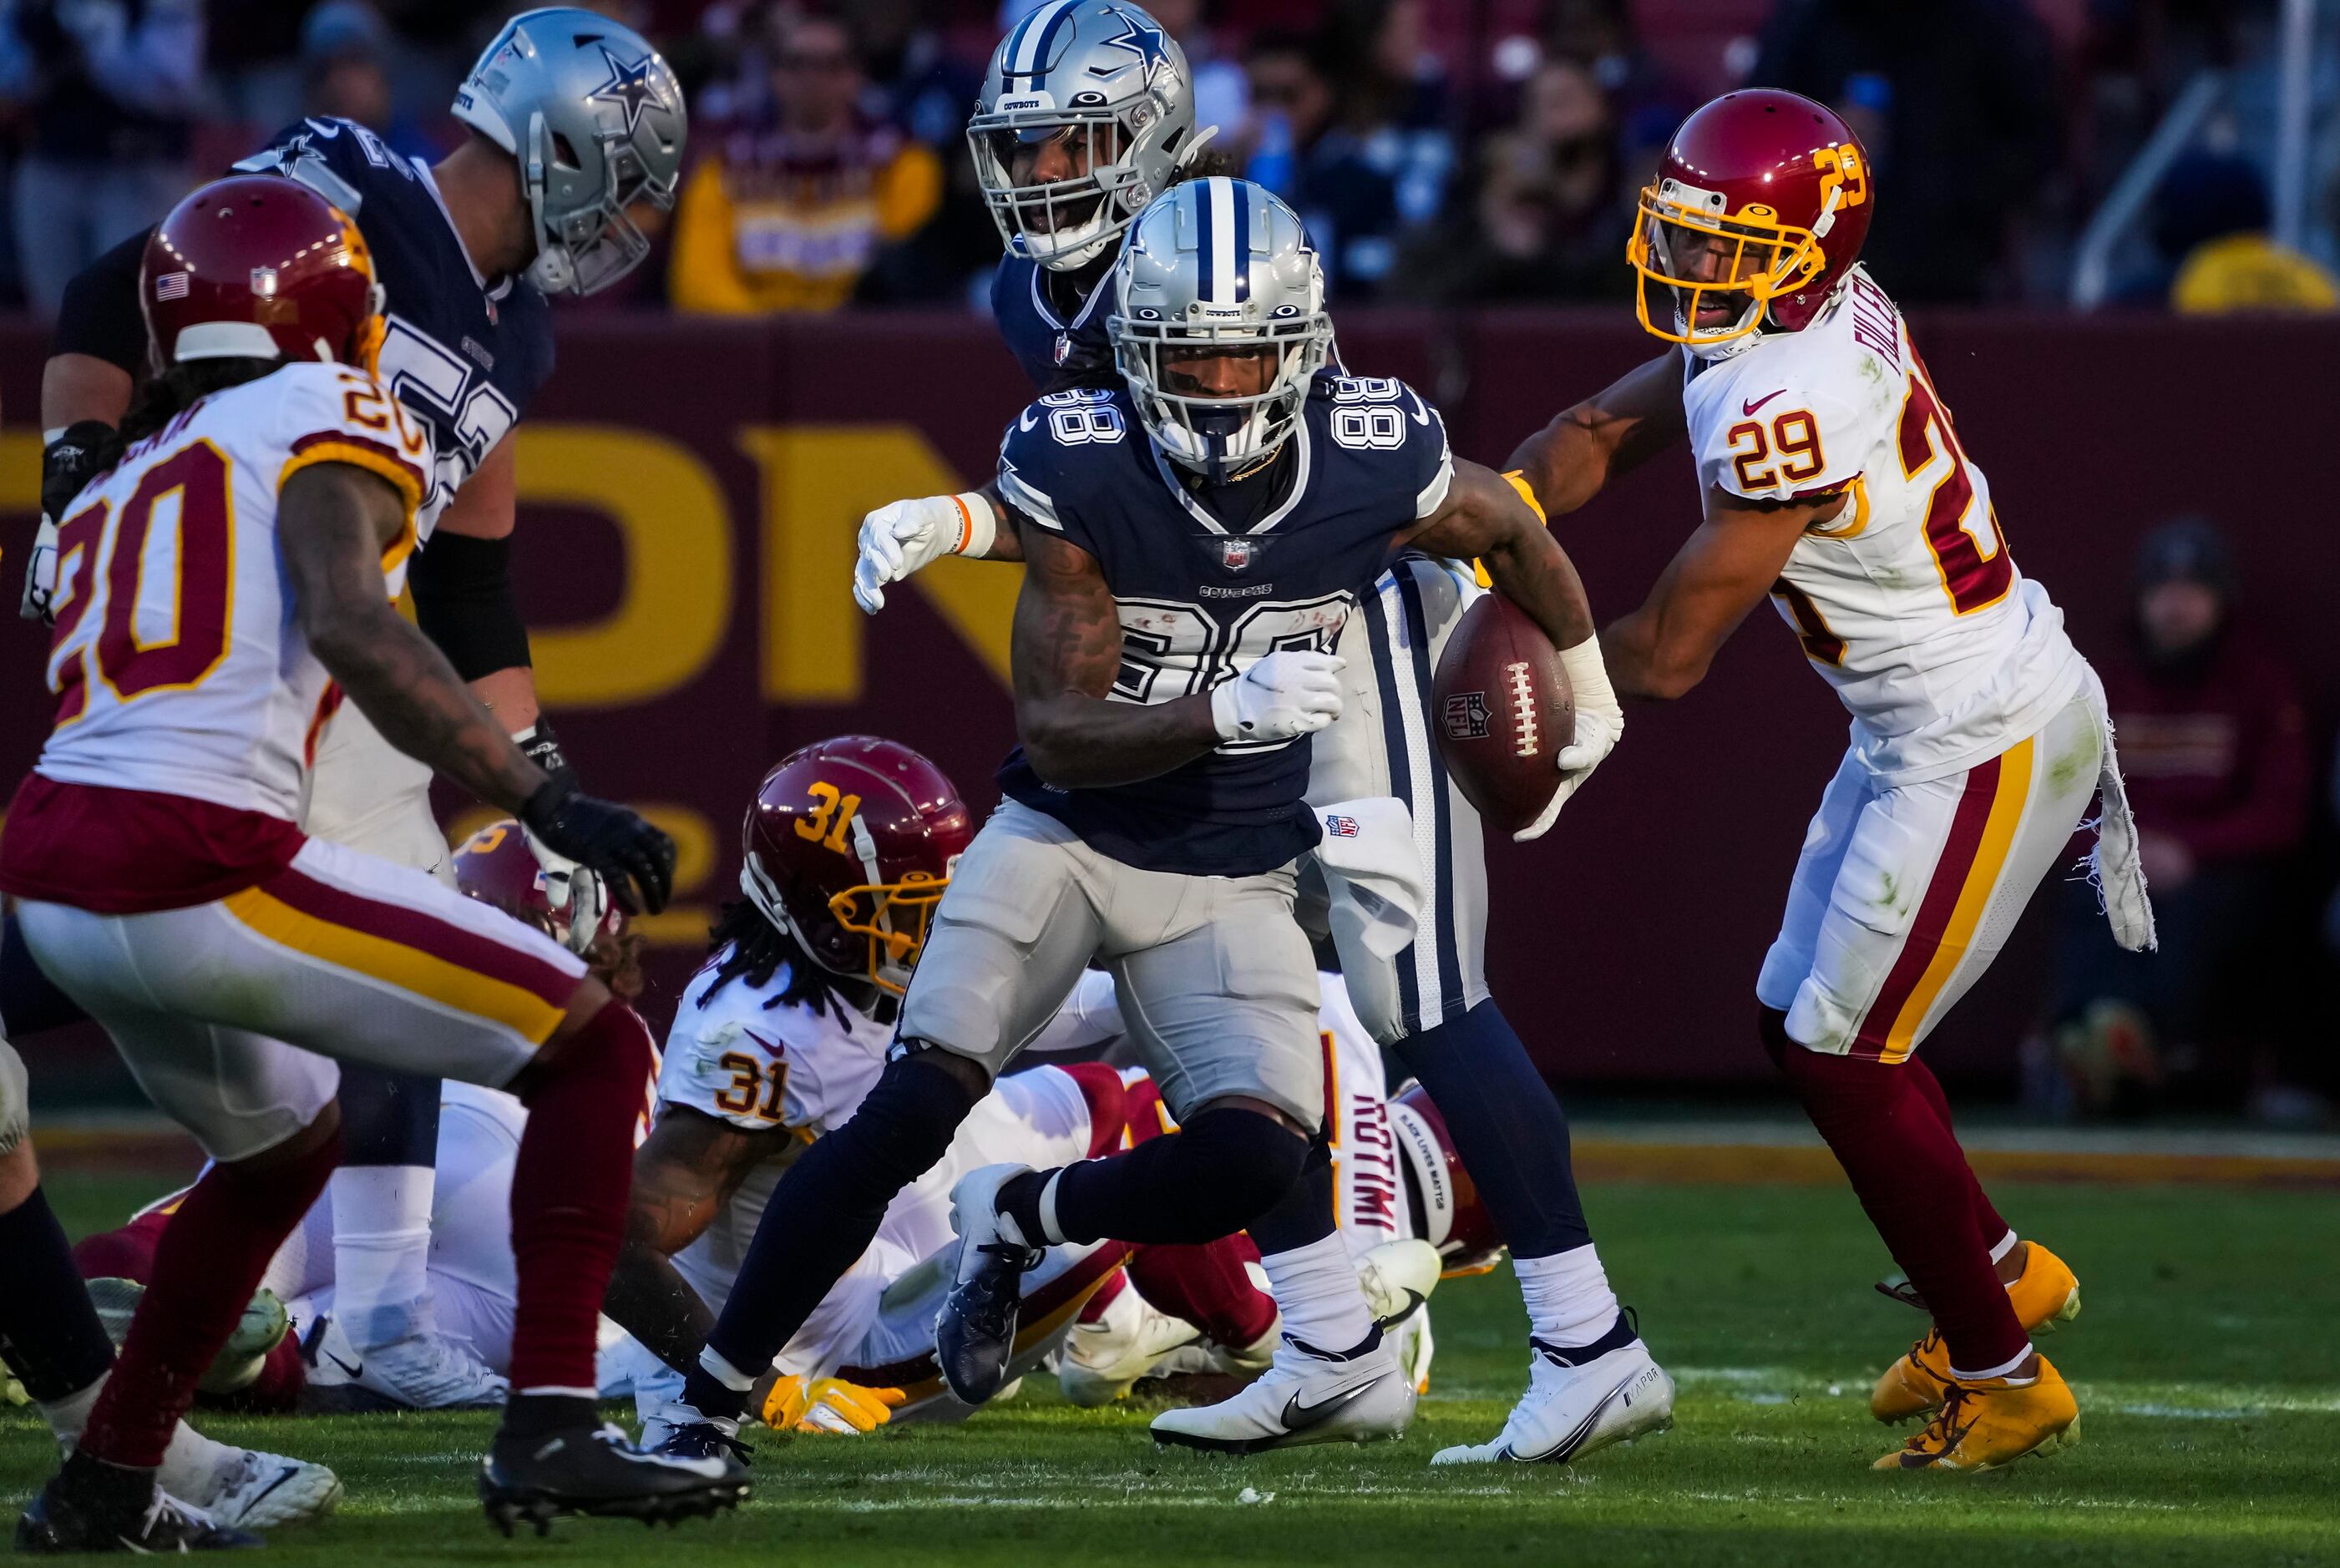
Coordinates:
[1064,347]
[1466,716]
[1236,555]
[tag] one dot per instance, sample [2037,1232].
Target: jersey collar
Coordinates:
[1168,473]
[1089,306]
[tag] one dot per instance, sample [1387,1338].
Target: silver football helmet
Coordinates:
[1214,267]
[595,118]
[1108,80]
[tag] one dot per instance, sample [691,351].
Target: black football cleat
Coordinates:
[695,1440]
[93,1506]
[588,1470]
[975,1336]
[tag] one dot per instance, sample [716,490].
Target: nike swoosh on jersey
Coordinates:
[1747,408]
[1299,1417]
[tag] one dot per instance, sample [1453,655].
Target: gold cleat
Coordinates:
[2045,1296]
[1994,1422]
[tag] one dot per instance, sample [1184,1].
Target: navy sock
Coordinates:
[56,1344]
[1508,1127]
[29,1002]
[822,1216]
[1214,1177]
[1303,1215]
[388,1117]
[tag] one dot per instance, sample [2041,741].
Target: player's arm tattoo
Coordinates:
[684,1173]
[1066,652]
[333,521]
[1483,517]
[1725,569]
[1007,542]
[1568,462]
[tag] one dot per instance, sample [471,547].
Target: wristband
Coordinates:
[978,524]
[1588,676]
[540,745]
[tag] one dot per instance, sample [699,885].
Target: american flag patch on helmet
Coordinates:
[170,286]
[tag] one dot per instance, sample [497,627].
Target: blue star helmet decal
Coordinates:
[631,88]
[1141,38]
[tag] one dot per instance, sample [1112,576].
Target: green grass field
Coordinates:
[2207,1364]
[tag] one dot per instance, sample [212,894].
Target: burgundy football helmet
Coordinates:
[848,848]
[260,268]
[496,866]
[1759,211]
[1456,1222]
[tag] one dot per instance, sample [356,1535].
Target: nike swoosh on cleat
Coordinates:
[1299,1417]
[357,1371]
[1749,407]
[1561,1452]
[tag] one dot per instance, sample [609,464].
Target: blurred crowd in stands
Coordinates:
[1445,152]
[1442,151]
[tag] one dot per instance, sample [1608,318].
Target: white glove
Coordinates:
[39,603]
[1288,694]
[1600,725]
[901,536]
[574,891]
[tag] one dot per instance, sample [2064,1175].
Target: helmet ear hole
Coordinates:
[564,155]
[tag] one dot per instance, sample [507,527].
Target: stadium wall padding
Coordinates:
[690,493]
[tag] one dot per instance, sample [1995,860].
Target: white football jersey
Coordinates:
[742,1056]
[177,661]
[1908,601]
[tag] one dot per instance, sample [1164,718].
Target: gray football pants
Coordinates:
[1386,743]
[1216,981]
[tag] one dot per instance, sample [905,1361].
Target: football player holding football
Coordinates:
[1086,114]
[1834,484]
[1222,500]
[575,124]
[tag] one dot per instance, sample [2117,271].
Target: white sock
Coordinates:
[1315,1287]
[1568,1297]
[381,1251]
[68,1415]
[190,1465]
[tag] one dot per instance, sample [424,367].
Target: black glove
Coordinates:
[66,466]
[633,859]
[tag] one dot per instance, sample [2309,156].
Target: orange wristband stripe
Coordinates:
[966,527]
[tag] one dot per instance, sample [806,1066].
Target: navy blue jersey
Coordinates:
[464,356]
[1050,345]
[1202,600]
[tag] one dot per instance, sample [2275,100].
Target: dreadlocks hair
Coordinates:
[166,397]
[749,947]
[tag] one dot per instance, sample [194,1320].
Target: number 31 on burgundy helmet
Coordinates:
[848,847]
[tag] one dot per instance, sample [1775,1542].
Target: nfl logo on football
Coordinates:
[1466,716]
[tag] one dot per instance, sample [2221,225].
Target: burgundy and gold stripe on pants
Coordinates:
[1982,831]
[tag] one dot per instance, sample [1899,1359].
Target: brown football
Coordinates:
[1502,711]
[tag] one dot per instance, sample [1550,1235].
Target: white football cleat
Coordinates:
[1569,1411]
[256,1490]
[1104,1360]
[423,1371]
[1306,1396]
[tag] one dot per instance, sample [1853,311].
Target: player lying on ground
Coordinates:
[1833,482]
[289,1351]
[1064,175]
[163,885]
[1160,831]
[848,845]
[571,120]
[55,1345]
